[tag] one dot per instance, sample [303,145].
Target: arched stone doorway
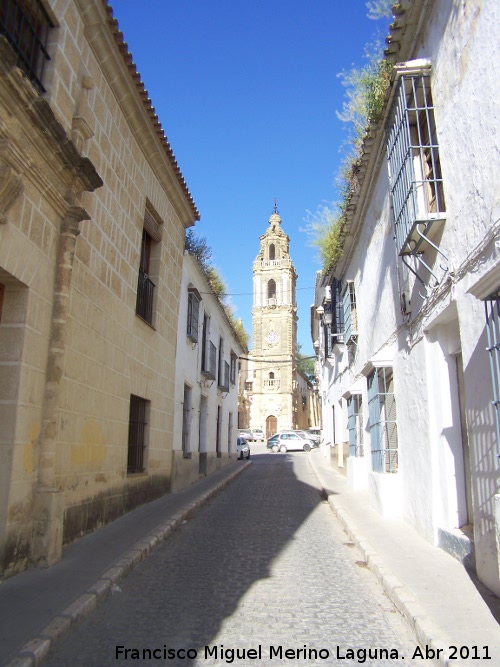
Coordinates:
[271,426]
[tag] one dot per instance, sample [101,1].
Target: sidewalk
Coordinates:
[429,587]
[39,605]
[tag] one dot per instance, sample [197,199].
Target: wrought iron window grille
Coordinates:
[415,173]
[382,421]
[136,434]
[492,312]
[26,26]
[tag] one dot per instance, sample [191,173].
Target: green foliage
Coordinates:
[326,228]
[199,248]
[366,87]
[364,105]
[305,364]
[216,283]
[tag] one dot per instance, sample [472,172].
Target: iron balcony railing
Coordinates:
[145,294]
[26,25]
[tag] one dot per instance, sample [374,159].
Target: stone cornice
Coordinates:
[106,41]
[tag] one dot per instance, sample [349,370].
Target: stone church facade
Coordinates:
[275,384]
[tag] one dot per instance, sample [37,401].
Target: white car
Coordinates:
[289,441]
[257,434]
[242,448]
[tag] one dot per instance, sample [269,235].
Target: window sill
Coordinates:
[150,325]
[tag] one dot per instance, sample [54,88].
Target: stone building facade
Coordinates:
[406,322]
[274,387]
[207,381]
[93,213]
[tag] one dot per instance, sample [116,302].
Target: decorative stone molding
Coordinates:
[11,186]
[13,162]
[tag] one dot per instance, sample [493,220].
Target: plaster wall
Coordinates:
[206,397]
[448,467]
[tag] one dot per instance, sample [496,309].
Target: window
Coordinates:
[271,292]
[382,415]
[149,265]
[145,286]
[355,424]
[492,310]
[193,314]
[2,292]
[337,310]
[272,252]
[186,422]
[233,372]
[26,26]
[413,159]
[137,427]
[220,371]
[208,351]
[350,312]
[229,432]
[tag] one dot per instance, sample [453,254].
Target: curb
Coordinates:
[426,631]
[35,651]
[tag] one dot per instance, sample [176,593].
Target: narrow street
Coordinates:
[263,568]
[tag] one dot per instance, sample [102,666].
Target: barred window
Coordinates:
[233,372]
[355,424]
[414,165]
[186,422]
[193,315]
[350,311]
[139,408]
[26,26]
[145,286]
[492,311]
[382,415]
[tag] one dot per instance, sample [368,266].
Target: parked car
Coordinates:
[314,433]
[257,434]
[308,436]
[289,441]
[244,433]
[242,448]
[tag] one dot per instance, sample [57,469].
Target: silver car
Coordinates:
[290,441]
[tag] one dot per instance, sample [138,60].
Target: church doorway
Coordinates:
[271,426]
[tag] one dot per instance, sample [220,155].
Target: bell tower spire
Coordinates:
[274,323]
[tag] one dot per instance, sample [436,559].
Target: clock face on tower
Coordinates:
[272,337]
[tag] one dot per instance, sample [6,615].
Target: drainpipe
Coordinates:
[48,512]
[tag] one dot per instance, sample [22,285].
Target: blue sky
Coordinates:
[247,94]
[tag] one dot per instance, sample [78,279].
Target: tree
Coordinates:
[305,363]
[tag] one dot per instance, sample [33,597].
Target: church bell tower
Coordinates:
[274,324]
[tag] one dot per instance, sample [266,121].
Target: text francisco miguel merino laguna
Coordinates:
[229,655]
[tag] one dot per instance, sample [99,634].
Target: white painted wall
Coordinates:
[435,468]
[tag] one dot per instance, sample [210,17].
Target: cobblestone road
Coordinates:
[264,565]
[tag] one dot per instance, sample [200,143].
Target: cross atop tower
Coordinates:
[275,208]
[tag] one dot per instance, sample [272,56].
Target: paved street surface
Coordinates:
[264,568]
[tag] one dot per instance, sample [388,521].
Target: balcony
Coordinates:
[271,385]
